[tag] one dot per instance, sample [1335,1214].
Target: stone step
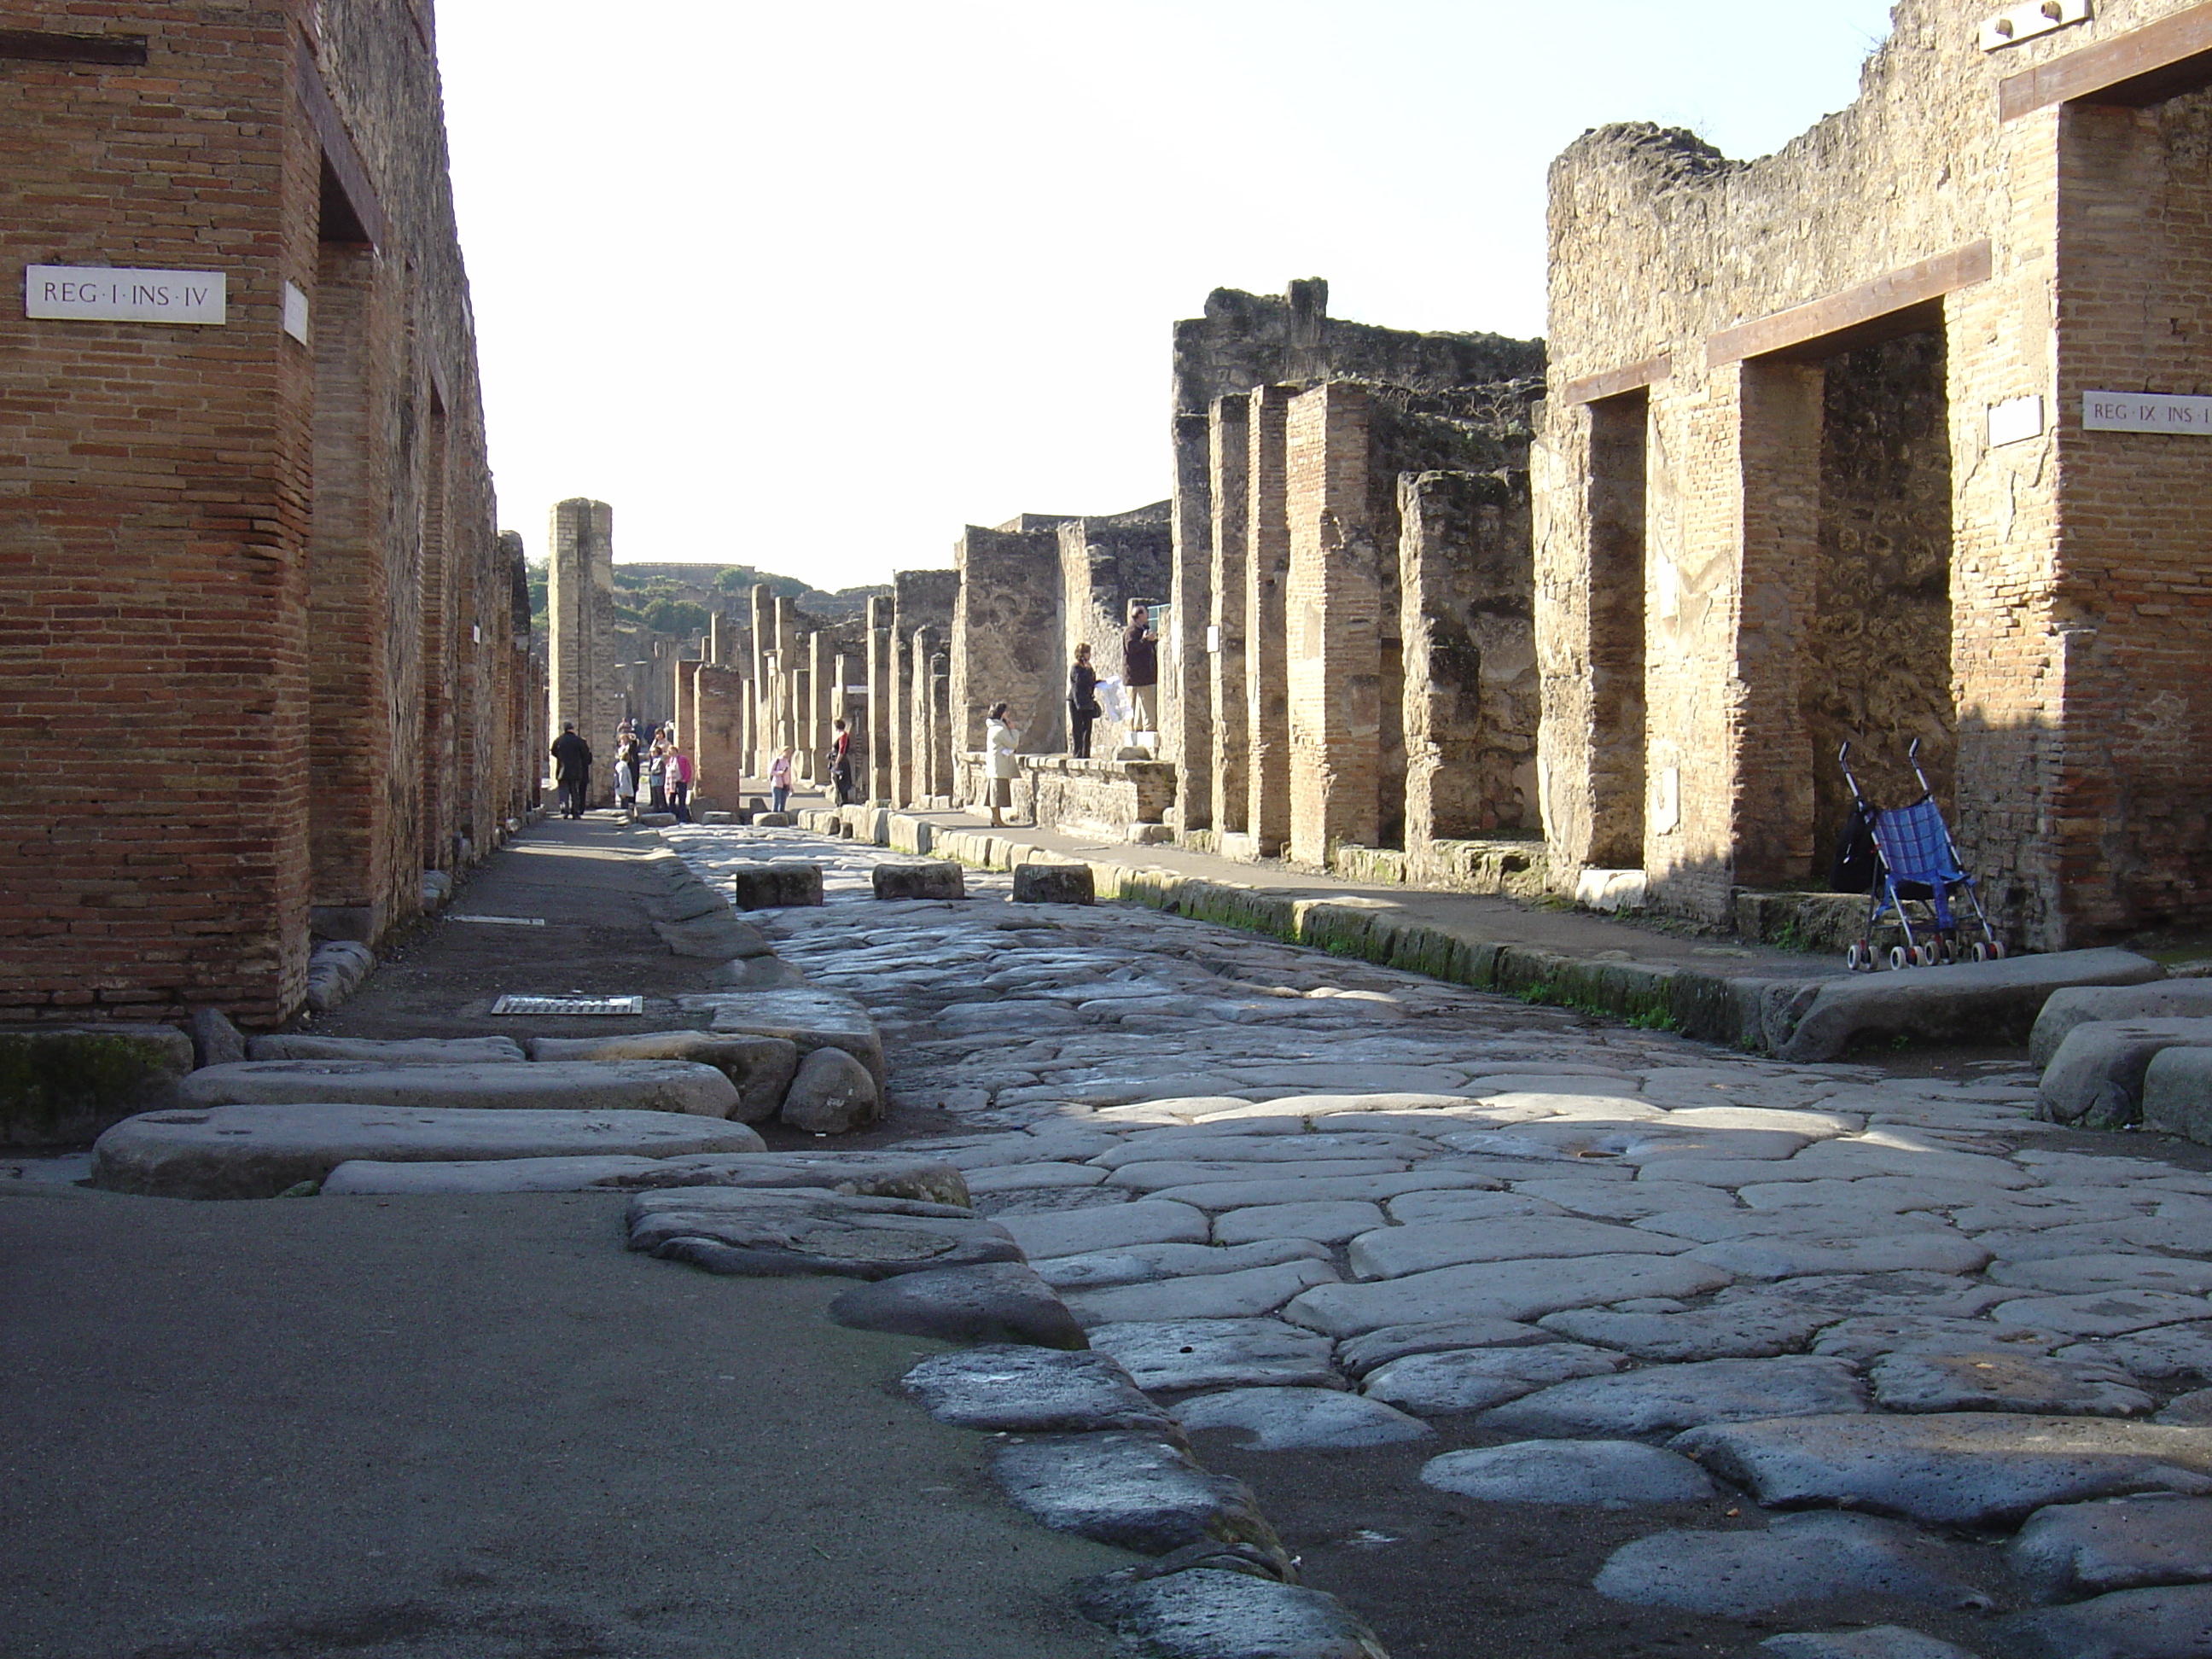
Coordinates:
[867,1175]
[260,1151]
[640,1085]
[812,1019]
[404,1051]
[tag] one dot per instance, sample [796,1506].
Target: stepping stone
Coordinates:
[2172,998]
[1666,1399]
[1751,1329]
[2169,1623]
[1157,1177]
[1132,1490]
[2072,1550]
[1243,1294]
[1327,1223]
[1983,1469]
[765,886]
[1141,1263]
[1210,1614]
[1867,1339]
[1518,1291]
[1113,1226]
[867,1175]
[1990,1381]
[631,1085]
[2079,1275]
[831,1094]
[1054,884]
[812,1019]
[258,1151]
[2114,1313]
[765,1234]
[2095,1078]
[1394,1252]
[1362,1354]
[1973,1002]
[762,1067]
[929,878]
[410,1051]
[1876,1642]
[1609,1473]
[2178,1095]
[1314,1189]
[2169,1354]
[1218,1353]
[1301,1419]
[1469,1379]
[993,1302]
[1030,1390]
[1799,1558]
[1914,1251]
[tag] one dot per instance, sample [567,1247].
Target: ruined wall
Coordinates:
[1007,637]
[1943,200]
[586,684]
[1105,564]
[240,525]
[919,600]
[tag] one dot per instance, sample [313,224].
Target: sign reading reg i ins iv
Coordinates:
[104,294]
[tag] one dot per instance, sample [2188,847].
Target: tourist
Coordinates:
[655,774]
[1082,703]
[675,777]
[626,776]
[572,771]
[1140,669]
[1000,766]
[779,780]
[841,764]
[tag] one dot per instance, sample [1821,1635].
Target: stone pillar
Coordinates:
[1186,689]
[920,747]
[880,701]
[1267,636]
[822,658]
[942,774]
[1007,634]
[763,646]
[721,638]
[585,683]
[804,767]
[1334,606]
[718,748]
[1228,458]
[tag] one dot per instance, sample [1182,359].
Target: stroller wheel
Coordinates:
[1900,959]
[1981,951]
[1856,958]
[1996,949]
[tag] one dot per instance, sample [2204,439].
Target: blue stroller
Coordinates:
[1906,856]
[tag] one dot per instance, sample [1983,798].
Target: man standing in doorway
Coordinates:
[572,771]
[1140,669]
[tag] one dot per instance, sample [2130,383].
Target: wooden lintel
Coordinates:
[339,151]
[42,47]
[2148,66]
[1839,321]
[1631,377]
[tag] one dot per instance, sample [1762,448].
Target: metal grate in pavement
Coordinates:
[513,1005]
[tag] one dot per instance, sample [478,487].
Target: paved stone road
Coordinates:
[1327,1205]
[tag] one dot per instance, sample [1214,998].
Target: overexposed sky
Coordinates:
[810,286]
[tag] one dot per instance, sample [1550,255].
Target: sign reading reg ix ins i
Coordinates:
[2146,411]
[104,294]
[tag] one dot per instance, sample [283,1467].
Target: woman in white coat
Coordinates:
[1000,768]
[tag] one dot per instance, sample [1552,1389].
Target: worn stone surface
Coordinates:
[2073,1550]
[1134,1490]
[1609,1473]
[766,1233]
[638,1085]
[776,886]
[762,1067]
[1665,1399]
[831,1094]
[925,878]
[1359,1355]
[1242,1294]
[1218,1353]
[2178,1095]
[404,1051]
[1026,1390]
[1876,1642]
[1301,1419]
[1503,1290]
[812,1019]
[1208,1613]
[993,1302]
[1978,1469]
[1329,1223]
[1471,1379]
[1394,1252]
[66,1082]
[1080,1232]
[2170,999]
[867,1175]
[2167,1623]
[1969,1002]
[2095,1078]
[1799,1558]
[1053,884]
[1746,1329]
[1136,1264]
[1990,1381]
[258,1151]
[215,1040]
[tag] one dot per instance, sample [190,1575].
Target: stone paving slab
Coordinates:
[406,1051]
[1137,1491]
[2167,1623]
[1422,1247]
[634,1085]
[756,1232]
[812,1019]
[1207,1613]
[1472,1379]
[871,1175]
[2172,998]
[1139,1264]
[1021,1390]
[1800,1559]
[1668,1399]
[1973,1002]
[1241,1295]
[1174,1355]
[1504,1290]
[1874,1642]
[1302,1419]
[2073,1550]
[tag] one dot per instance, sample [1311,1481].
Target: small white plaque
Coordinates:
[2015,422]
[1667,802]
[295,312]
[104,294]
[2145,411]
[1213,637]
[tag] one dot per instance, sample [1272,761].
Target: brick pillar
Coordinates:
[1267,650]
[879,704]
[1779,413]
[1334,606]
[1230,461]
[1187,678]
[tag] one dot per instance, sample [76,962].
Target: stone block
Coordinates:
[812,1019]
[215,1041]
[993,1302]
[776,886]
[68,1083]
[773,821]
[2169,998]
[1053,884]
[849,1174]
[642,1085]
[1025,1389]
[2176,1096]
[931,879]
[404,1051]
[762,1067]
[1973,1002]
[2096,1077]
[766,1234]
[832,1094]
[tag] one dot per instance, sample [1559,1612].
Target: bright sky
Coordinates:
[810,286]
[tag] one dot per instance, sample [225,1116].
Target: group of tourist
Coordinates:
[661,772]
[1140,679]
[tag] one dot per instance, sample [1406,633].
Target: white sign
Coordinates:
[2015,422]
[107,294]
[2145,411]
[295,312]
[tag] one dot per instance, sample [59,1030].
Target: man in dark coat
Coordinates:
[1140,669]
[572,771]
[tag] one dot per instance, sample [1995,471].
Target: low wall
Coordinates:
[1111,799]
[1516,868]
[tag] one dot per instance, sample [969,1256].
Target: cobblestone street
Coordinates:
[1411,1259]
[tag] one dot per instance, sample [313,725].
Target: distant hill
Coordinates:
[677,599]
